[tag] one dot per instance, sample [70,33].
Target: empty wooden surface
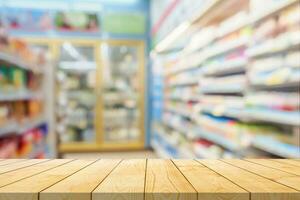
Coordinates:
[149,179]
[9,161]
[277,165]
[80,185]
[279,176]
[292,162]
[260,187]
[125,182]
[25,172]
[18,165]
[209,184]
[165,181]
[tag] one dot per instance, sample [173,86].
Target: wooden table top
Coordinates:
[150,179]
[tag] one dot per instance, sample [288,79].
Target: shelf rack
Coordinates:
[211,14]
[12,127]
[17,62]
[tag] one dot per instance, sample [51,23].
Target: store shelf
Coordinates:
[13,60]
[226,68]
[225,89]
[210,12]
[186,153]
[217,10]
[19,95]
[276,147]
[237,62]
[31,124]
[176,126]
[280,117]
[224,111]
[272,10]
[160,151]
[284,85]
[182,98]
[236,27]
[191,64]
[195,131]
[287,41]
[205,153]
[182,112]
[163,147]
[36,151]
[20,128]
[220,49]
[10,127]
[218,139]
[256,114]
[185,82]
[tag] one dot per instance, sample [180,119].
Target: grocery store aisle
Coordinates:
[113,155]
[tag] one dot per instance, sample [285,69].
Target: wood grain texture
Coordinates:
[165,182]
[25,172]
[260,188]
[126,182]
[80,185]
[282,177]
[277,165]
[208,183]
[18,165]
[29,188]
[154,179]
[10,161]
[286,161]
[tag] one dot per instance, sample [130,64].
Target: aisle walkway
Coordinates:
[121,155]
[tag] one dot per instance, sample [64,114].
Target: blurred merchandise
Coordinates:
[188,79]
[76,98]
[122,94]
[232,86]
[21,99]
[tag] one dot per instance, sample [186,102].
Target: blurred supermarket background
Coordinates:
[150,78]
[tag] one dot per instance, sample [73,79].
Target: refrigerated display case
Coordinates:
[123,94]
[99,95]
[76,94]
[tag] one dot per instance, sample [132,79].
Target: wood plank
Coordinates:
[19,165]
[29,188]
[282,177]
[165,182]
[126,182]
[208,183]
[26,172]
[260,188]
[288,161]
[10,161]
[277,165]
[79,186]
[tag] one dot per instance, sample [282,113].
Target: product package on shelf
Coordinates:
[274,50]
[32,143]
[21,99]
[9,147]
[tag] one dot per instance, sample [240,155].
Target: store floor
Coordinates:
[122,155]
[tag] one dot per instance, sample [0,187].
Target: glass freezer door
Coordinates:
[76,98]
[123,93]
